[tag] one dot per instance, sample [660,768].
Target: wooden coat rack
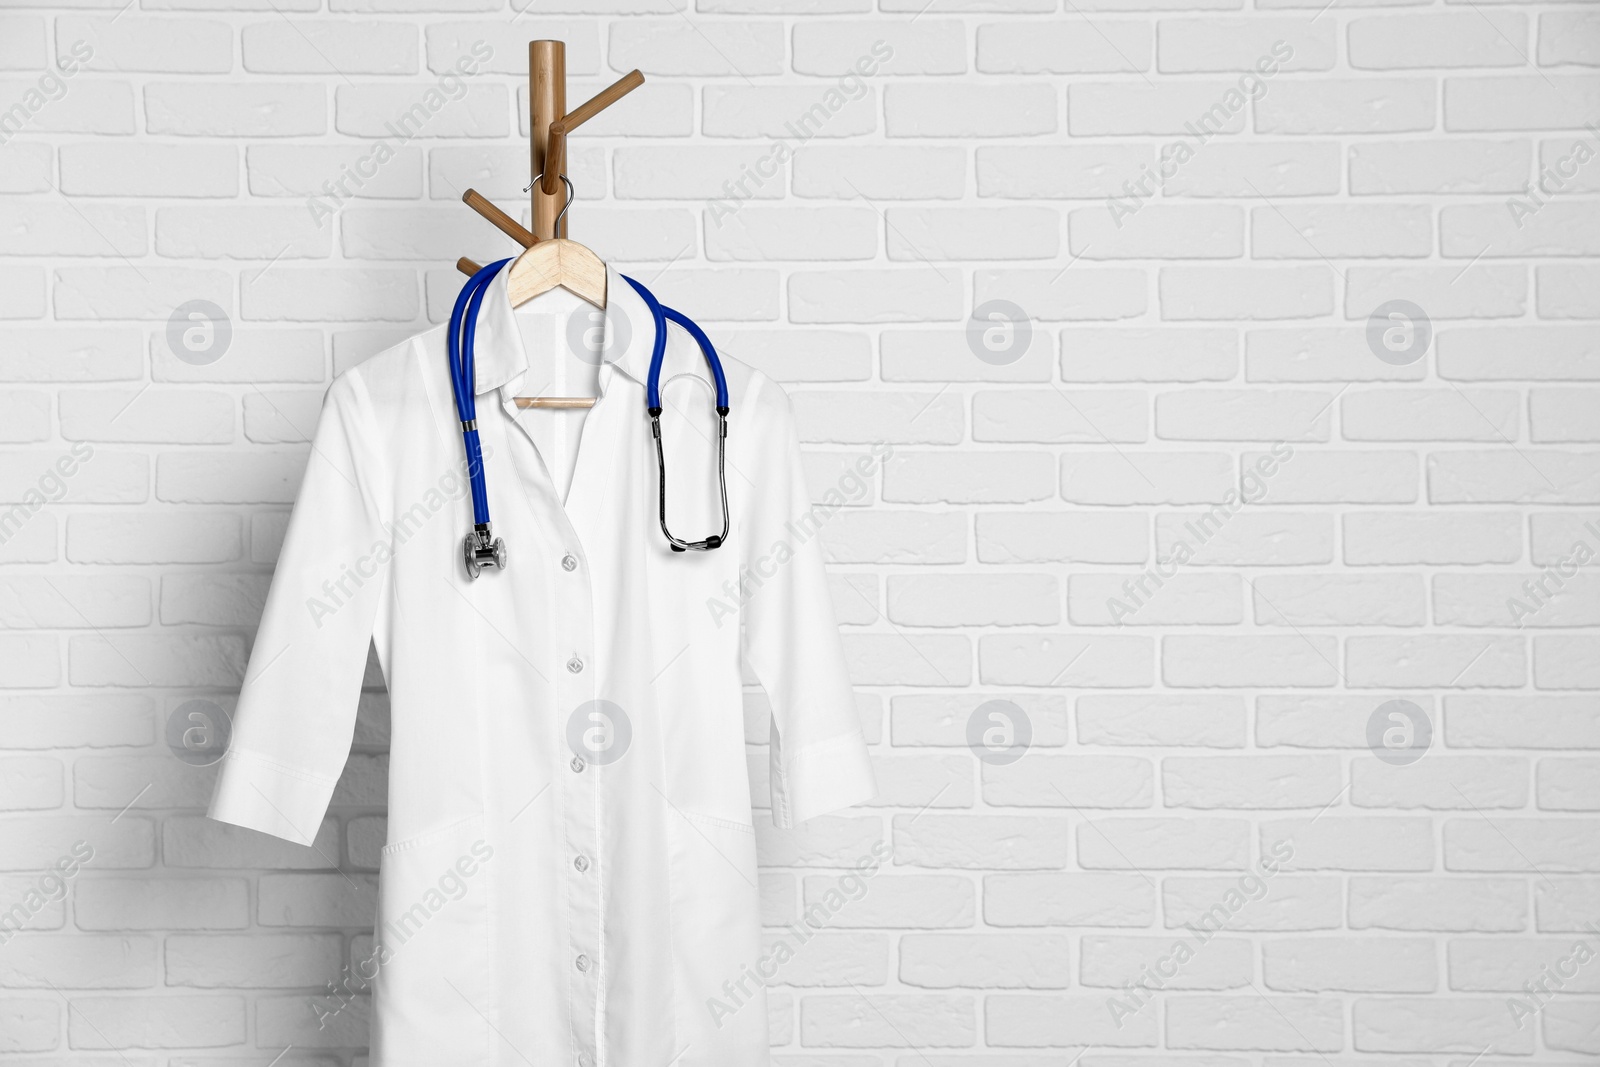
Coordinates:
[551,123]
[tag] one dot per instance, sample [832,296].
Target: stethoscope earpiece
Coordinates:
[482,550]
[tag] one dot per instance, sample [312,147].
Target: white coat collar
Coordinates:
[502,360]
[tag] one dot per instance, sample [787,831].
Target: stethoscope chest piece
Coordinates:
[482,549]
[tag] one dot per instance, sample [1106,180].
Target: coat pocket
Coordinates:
[432,998]
[721,1012]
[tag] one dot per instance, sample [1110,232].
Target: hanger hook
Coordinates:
[556,229]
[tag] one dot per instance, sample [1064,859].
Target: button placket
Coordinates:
[575,686]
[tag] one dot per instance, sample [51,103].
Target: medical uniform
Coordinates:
[570,874]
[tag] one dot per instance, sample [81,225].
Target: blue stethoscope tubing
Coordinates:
[482,549]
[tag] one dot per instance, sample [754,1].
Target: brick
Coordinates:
[1277,1024]
[1443,660]
[894,1020]
[942,720]
[1437,1025]
[1519,102]
[1319,354]
[1453,39]
[1109,782]
[1540,722]
[1389,538]
[1457,166]
[1030,1021]
[1249,661]
[1350,965]
[1448,904]
[1192,721]
[1051,659]
[1220,963]
[1442,782]
[1116,600]
[1210,782]
[1124,843]
[1298,600]
[1244,415]
[1247,537]
[1247,902]
[1365,105]
[1341,231]
[1057,899]
[1031,47]
[1078,536]
[1356,842]
[983,110]
[1520,845]
[1322,720]
[987,842]
[1006,961]
[1176,354]
[1257,293]
[974,600]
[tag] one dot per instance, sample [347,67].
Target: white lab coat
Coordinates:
[543,899]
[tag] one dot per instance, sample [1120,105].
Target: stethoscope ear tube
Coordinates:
[481,548]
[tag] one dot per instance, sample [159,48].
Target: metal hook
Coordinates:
[556,229]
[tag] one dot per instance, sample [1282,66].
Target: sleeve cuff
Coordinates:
[822,777]
[255,792]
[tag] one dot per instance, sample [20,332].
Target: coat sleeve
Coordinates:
[791,641]
[297,709]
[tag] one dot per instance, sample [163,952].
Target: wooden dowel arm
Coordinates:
[506,224]
[556,154]
[467,267]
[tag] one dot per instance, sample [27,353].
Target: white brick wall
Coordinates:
[1202,733]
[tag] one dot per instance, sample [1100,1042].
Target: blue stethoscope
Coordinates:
[482,549]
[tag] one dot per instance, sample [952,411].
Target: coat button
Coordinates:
[582,962]
[584,1060]
[569,562]
[581,863]
[577,764]
[574,664]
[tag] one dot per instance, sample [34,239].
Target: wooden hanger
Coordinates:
[551,259]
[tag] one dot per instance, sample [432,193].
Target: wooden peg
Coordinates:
[556,155]
[467,267]
[505,223]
